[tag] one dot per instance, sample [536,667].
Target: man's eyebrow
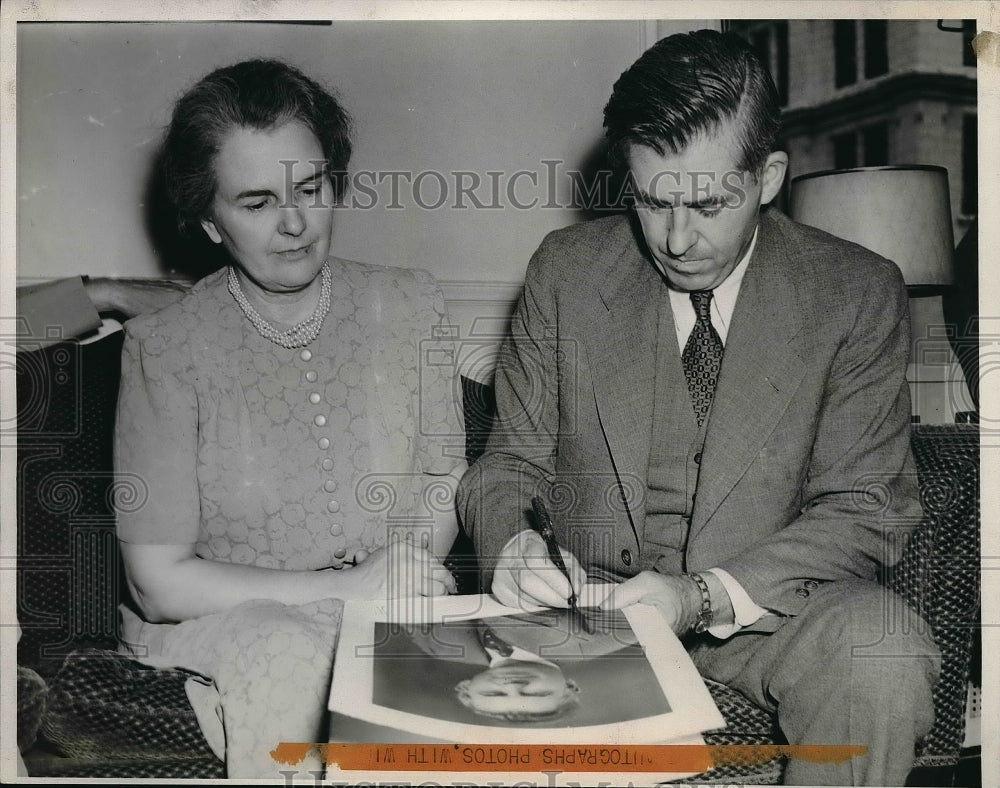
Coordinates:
[648,199]
[709,201]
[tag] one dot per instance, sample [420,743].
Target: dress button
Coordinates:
[360,556]
[801,592]
[327,464]
[320,420]
[697,458]
[311,376]
[306,354]
[323,443]
[329,485]
[314,398]
[336,529]
[333,506]
[340,552]
[627,557]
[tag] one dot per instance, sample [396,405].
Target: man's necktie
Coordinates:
[493,642]
[702,356]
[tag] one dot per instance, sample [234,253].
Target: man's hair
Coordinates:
[569,703]
[687,85]
[254,94]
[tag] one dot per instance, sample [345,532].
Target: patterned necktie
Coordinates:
[493,642]
[702,356]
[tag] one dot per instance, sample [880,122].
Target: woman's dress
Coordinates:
[281,458]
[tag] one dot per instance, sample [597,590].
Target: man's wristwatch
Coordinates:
[704,618]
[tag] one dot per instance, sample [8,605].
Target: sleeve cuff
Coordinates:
[745,610]
[56,311]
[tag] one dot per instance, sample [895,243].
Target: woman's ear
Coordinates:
[773,176]
[211,231]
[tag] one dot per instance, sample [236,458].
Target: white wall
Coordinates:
[444,96]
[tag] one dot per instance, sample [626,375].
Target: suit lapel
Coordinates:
[621,349]
[760,373]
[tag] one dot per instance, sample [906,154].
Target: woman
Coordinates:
[269,422]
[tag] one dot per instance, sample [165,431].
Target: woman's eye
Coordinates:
[254,207]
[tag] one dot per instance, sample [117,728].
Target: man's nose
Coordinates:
[292,222]
[680,234]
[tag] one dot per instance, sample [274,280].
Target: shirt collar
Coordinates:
[726,293]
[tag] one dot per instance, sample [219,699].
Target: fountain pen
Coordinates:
[543,525]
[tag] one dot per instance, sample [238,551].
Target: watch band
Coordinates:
[704,618]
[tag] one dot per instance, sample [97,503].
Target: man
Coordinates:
[714,397]
[519,661]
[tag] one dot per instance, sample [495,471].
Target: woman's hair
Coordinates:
[687,85]
[254,94]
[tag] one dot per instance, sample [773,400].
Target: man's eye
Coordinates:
[715,210]
[254,207]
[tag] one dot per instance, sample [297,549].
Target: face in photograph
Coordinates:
[520,691]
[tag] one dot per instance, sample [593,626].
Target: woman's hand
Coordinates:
[399,569]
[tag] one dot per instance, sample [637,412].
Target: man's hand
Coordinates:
[526,576]
[132,297]
[676,597]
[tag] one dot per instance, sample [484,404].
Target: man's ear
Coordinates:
[211,231]
[462,692]
[773,175]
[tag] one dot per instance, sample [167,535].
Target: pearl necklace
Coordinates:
[297,336]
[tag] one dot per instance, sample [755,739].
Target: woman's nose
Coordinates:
[292,222]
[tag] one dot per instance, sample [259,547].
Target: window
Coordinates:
[874,54]
[968,33]
[845,52]
[875,145]
[780,71]
[867,147]
[845,151]
[876,47]
[769,41]
[970,166]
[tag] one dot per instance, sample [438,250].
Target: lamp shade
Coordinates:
[902,213]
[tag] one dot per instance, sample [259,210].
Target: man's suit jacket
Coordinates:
[805,475]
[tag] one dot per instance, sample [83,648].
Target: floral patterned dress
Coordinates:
[285,458]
